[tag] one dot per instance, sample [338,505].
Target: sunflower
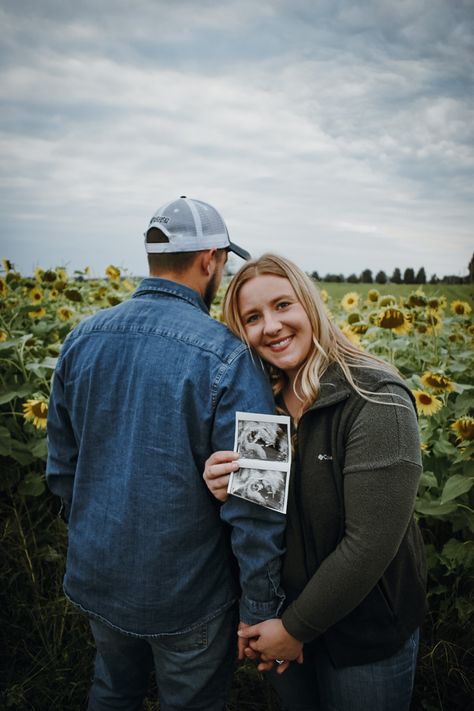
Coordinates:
[387,300]
[434,322]
[394,319]
[435,303]
[464,428]
[65,313]
[37,411]
[417,298]
[426,404]
[350,301]
[37,313]
[53,294]
[50,276]
[113,273]
[36,295]
[350,335]
[3,335]
[62,274]
[3,287]
[435,381]
[373,296]
[460,308]
[7,265]
[87,270]
[359,328]
[128,285]
[353,317]
[38,274]
[324,295]
[73,295]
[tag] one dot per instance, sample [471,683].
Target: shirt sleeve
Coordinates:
[62,445]
[257,533]
[381,474]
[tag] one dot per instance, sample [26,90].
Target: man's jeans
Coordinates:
[316,685]
[193,669]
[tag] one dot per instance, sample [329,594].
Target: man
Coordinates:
[142,394]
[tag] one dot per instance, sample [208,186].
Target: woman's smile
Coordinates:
[275,322]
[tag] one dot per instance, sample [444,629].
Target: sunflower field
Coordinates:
[45,644]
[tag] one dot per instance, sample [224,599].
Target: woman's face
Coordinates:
[275,322]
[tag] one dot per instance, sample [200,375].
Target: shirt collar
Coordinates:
[157,285]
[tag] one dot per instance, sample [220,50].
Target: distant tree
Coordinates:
[409,276]
[396,277]
[353,279]
[452,279]
[381,277]
[334,277]
[421,276]
[315,276]
[434,279]
[366,277]
[471,269]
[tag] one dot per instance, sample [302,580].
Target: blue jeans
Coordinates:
[316,685]
[193,669]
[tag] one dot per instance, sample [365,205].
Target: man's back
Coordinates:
[141,385]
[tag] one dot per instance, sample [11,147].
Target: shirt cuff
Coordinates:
[254,611]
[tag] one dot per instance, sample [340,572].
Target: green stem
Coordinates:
[25,547]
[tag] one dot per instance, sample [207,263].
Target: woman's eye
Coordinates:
[283,304]
[252,318]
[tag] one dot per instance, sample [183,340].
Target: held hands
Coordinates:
[270,641]
[217,471]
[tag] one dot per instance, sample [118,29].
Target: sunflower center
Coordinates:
[392,318]
[425,399]
[39,409]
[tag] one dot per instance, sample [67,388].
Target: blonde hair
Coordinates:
[330,345]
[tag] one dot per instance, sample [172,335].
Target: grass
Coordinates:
[463,292]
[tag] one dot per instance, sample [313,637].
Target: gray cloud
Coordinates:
[341,130]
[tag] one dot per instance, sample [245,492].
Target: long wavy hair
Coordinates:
[330,345]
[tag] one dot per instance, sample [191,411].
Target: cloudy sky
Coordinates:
[339,133]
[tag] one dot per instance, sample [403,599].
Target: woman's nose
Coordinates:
[271,324]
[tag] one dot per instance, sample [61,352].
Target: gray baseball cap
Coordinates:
[190,225]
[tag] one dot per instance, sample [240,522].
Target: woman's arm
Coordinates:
[381,474]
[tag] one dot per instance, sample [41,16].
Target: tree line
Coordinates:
[408,277]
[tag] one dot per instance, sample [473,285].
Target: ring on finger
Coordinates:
[280,661]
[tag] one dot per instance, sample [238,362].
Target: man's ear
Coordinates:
[208,258]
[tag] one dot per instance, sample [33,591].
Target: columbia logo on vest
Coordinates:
[327,457]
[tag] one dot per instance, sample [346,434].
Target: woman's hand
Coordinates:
[217,471]
[271,641]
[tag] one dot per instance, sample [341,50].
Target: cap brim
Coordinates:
[239,251]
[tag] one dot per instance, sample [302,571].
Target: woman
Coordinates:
[354,565]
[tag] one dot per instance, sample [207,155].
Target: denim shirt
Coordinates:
[142,394]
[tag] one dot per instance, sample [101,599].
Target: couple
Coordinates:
[143,401]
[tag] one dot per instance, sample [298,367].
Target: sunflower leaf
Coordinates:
[428,479]
[32,485]
[464,403]
[456,486]
[5,442]
[40,449]
[434,508]
[9,395]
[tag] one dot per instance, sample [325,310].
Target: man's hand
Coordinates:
[271,642]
